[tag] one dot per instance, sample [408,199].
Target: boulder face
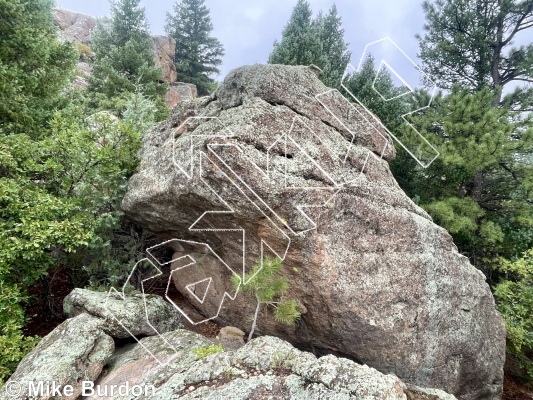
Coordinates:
[184,364]
[124,315]
[76,350]
[276,164]
[265,368]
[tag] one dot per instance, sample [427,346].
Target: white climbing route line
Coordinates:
[185,266]
[116,295]
[424,154]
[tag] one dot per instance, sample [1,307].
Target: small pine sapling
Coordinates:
[269,289]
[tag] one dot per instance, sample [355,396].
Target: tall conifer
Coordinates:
[198,54]
[124,58]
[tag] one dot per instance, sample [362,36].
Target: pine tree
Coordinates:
[515,302]
[365,86]
[471,43]
[318,41]
[300,42]
[128,22]
[124,59]
[198,54]
[34,70]
[335,51]
[478,189]
[269,289]
[34,65]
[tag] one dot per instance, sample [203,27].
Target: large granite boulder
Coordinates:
[274,163]
[74,352]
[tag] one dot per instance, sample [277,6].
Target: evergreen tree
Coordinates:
[198,54]
[34,65]
[128,22]
[61,178]
[484,190]
[124,59]
[334,50]
[300,42]
[489,212]
[60,206]
[515,302]
[34,70]
[471,43]
[478,189]
[319,41]
[365,86]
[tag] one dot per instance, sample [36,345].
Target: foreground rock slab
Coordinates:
[75,351]
[137,314]
[266,367]
[380,281]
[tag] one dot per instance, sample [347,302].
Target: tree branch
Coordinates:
[518,27]
[529,80]
[505,167]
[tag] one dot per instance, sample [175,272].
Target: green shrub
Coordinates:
[204,351]
[84,51]
[140,112]
[97,157]
[515,301]
[13,344]
[60,205]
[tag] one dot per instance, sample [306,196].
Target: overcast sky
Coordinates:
[248,28]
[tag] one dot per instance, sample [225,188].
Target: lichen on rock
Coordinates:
[75,351]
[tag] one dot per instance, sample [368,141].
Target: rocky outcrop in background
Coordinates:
[73,26]
[180,92]
[164,49]
[77,28]
[305,174]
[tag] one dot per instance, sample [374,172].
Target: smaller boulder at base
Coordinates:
[136,314]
